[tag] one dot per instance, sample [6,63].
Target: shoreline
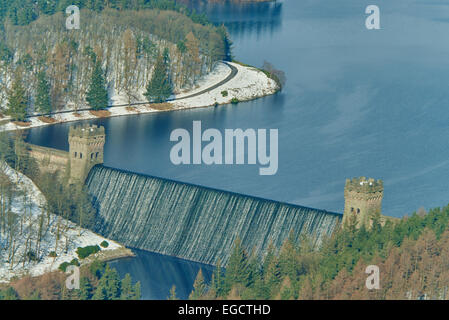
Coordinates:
[74,236]
[104,256]
[110,255]
[240,82]
[248,84]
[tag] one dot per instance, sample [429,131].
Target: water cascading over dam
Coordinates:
[194,222]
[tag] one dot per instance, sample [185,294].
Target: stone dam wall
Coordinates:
[194,222]
[49,159]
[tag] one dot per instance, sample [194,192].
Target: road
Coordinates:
[232,75]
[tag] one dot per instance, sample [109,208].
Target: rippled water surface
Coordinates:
[356,103]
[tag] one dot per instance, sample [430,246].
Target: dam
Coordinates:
[179,219]
[194,222]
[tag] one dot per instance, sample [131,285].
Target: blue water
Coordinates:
[158,273]
[196,223]
[357,102]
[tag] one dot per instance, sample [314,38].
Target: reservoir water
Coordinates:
[157,273]
[357,102]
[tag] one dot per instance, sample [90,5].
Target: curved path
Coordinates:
[232,75]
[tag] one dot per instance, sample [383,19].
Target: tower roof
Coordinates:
[364,185]
[86,131]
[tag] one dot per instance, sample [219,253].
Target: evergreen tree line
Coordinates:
[158,90]
[413,257]
[98,281]
[18,99]
[22,12]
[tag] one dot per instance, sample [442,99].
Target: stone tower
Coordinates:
[363,199]
[86,150]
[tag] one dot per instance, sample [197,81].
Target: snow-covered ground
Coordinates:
[29,211]
[249,83]
[219,73]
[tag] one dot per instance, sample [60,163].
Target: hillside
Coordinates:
[126,43]
[22,12]
[33,240]
[412,256]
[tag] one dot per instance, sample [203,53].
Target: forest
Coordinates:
[98,281]
[114,55]
[26,238]
[22,12]
[412,256]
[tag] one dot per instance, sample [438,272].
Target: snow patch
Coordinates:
[29,207]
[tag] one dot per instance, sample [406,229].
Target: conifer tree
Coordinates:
[127,290]
[217,283]
[97,95]
[159,87]
[8,294]
[237,270]
[108,286]
[287,259]
[137,293]
[253,270]
[199,287]
[17,100]
[261,291]
[269,256]
[43,102]
[100,293]
[272,276]
[85,289]
[172,295]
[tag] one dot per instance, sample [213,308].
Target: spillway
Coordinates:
[194,222]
